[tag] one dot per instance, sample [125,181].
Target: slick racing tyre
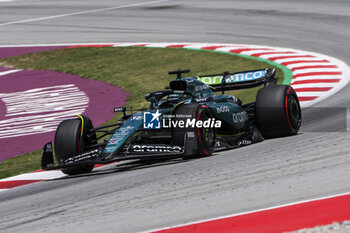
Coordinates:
[278,112]
[198,142]
[71,139]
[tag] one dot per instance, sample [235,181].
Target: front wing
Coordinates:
[96,156]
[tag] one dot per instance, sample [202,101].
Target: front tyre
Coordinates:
[202,139]
[72,138]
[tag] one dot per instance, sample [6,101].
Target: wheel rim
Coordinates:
[207,134]
[294,111]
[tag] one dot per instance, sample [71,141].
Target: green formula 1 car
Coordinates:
[186,120]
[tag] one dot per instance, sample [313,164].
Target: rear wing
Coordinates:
[240,80]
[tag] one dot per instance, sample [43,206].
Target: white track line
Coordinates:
[309,85]
[311,93]
[291,66]
[42,175]
[282,52]
[275,55]
[81,12]
[8,72]
[296,59]
[310,70]
[322,77]
[158,45]
[47,175]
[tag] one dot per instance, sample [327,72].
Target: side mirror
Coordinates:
[47,156]
[119,109]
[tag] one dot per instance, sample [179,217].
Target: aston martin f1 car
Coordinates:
[186,120]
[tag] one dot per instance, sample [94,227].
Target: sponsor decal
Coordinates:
[137,117]
[244,142]
[151,120]
[238,77]
[83,156]
[119,136]
[239,117]
[190,134]
[222,109]
[179,92]
[201,88]
[157,148]
[199,100]
[246,76]
[211,80]
[119,109]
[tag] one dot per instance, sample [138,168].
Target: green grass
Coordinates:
[137,70]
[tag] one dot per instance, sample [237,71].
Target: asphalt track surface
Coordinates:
[136,197]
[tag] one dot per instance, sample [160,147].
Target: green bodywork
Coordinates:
[225,108]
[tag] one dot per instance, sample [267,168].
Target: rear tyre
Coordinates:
[278,112]
[71,139]
[203,139]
